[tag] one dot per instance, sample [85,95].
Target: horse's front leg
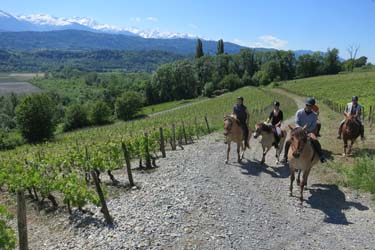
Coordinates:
[299,177]
[350,147]
[238,152]
[345,146]
[243,148]
[304,182]
[292,177]
[228,150]
[265,151]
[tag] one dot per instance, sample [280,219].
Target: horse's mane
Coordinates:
[232,117]
[264,127]
[299,133]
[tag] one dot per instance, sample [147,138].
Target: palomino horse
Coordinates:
[350,131]
[234,132]
[301,156]
[268,139]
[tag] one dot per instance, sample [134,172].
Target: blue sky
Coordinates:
[284,24]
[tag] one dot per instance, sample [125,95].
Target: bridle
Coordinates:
[300,135]
[229,126]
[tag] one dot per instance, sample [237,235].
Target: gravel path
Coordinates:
[195,201]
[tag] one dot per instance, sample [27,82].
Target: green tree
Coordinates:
[199,49]
[76,116]
[128,104]
[231,82]
[360,61]
[220,47]
[331,62]
[35,118]
[100,113]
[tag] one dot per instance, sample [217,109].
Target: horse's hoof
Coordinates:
[239,161]
[344,154]
[290,194]
[226,161]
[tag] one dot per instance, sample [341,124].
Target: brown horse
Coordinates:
[268,139]
[301,156]
[350,131]
[234,132]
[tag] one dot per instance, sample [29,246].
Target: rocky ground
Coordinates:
[193,200]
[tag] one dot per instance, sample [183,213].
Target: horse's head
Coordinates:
[228,123]
[298,140]
[261,127]
[350,124]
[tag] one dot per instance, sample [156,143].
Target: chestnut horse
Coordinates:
[234,132]
[268,139]
[301,156]
[350,131]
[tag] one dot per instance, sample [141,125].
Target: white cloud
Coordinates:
[191,25]
[241,42]
[269,41]
[135,19]
[152,19]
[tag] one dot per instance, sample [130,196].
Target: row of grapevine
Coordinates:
[68,168]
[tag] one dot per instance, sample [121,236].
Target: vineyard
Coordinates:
[67,170]
[337,90]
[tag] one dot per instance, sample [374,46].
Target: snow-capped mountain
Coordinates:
[44,22]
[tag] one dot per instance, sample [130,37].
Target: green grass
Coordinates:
[337,88]
[214,109]
[16,77]
[151,109]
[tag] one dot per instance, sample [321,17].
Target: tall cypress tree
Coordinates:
[199,49]
[220,47]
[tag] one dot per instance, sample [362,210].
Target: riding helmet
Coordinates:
[354,98]
[310,101]
[240,97]
[276,103]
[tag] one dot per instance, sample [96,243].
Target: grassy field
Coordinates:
[337,88]
[17,77]
[148,110]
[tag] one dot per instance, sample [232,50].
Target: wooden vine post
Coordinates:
[128,166]
[21,220]
[173,137]
[162,146]
[99,190]
[147,151]
[184,132]
[208,127]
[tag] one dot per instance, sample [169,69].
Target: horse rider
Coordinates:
[243,116]
[355,109]
[315,108]
[307,117]
[275,118]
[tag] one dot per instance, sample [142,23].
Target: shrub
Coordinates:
[7,235]
[208,89]
[75,117]
[128,104]
[100,113]
[35,118]
[10,140]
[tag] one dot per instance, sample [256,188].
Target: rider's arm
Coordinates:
[297,120]
[270,117]
[346,112]
[281,119]
[247,117]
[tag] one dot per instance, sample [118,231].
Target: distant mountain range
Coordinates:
[41,31]
[43,22]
